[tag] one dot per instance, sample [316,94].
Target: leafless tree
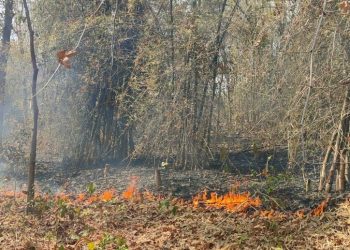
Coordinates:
[32,159]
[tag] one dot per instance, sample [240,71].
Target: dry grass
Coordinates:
[155,225]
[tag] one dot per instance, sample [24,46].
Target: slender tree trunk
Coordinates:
[172,45]
[5,47]
[214,65]
[219,106]
[32,159]
[341,177]
[342,132]
[325,161]
[311,77]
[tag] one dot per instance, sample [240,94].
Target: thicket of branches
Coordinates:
[179,79]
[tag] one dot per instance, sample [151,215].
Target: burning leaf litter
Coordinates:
[230,202]
[143,220]
[319,210]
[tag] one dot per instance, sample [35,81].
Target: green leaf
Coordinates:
[164,204]
[174,210]
[91,188]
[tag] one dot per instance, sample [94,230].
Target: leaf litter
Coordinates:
[136,219]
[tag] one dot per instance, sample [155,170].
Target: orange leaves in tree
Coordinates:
[344,6]
[64,56]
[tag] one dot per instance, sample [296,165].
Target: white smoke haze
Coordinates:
[54,119]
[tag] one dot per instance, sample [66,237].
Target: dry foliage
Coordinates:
[105,221]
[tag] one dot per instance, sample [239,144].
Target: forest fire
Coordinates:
[231,202]
[174,124]
[107,195]
[131,191]
[319,210]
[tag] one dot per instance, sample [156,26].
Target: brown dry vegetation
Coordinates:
[258,90]
[165,224]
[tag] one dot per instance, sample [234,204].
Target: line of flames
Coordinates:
[231,202]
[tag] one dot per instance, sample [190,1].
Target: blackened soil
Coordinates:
[280,189]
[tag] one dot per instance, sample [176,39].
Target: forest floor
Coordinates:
[115,223]
[88,210]
[281,188]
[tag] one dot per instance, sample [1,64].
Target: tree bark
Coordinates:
[4,53]
[158,178]
[325,161]
[32,159]
[342,133]
[172,45]
[341,177]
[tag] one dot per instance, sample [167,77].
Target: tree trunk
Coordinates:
[214,66]
[325,161]
[340,149]
[158,178]
[220,36]
[341,177]
[32,159]
[172,45]
[5,47]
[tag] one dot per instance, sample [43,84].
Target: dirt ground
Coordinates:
[281,189]
[167,224]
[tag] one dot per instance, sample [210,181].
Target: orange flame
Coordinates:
[80,197]
[92,199]
[62,196]
[319,210]
[231,202]
[107,195]
[131,191]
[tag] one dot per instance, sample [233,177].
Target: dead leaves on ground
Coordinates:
[344,7]
[136,225]
[106,219]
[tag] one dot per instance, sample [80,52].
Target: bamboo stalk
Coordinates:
[339,145]
[325,160]
[341,177]
[330,176]
[347,168]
